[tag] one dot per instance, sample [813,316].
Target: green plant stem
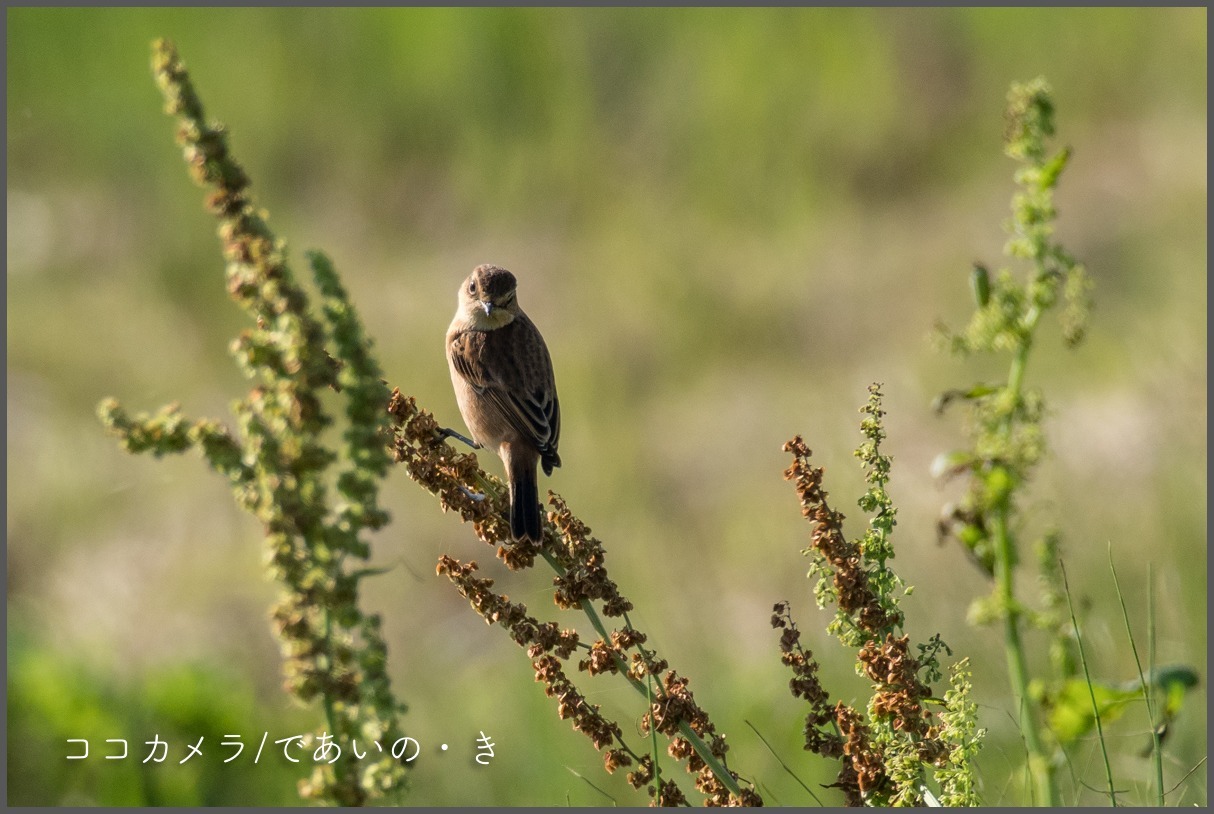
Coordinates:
[784,765]
[1015,376]
[1039,763]
[1040,767]
[693,738]
[1087,677]
[653,746]
[1147,694]
[1156,744]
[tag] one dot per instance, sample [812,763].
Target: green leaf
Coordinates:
[1071,715]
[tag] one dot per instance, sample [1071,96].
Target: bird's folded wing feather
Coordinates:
[513,371]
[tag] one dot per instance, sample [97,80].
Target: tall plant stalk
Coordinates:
[1006,436]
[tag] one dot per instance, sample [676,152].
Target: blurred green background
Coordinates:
[726,223]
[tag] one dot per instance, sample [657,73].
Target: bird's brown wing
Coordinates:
[510,367]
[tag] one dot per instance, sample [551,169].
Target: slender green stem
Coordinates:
[1147,693]
[1156,742]
[653,746]
[690,734]
[1040,767]
[1045,787]
[784,765]
[1087,677]
[1015,375]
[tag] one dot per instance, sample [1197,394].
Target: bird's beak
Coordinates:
[488,306]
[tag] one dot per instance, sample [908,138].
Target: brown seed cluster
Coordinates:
[546,645]
[855,596]
[538,637]
[582,579]
[452,476]
[585,577]
[614,759]
[643,773]
[667,713]
[674,706]
[601,660]
[583,559]
[863,770]
[820,738]
[671,794]
[571,704]
[900,696]
[898,693]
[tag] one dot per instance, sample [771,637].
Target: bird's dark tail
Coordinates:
[524,499]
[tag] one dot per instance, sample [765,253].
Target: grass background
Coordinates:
[726,223]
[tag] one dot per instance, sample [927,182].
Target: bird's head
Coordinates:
[488,298]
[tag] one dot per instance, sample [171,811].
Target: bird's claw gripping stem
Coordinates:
[447,432]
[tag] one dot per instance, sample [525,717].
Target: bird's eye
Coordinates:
[472,287]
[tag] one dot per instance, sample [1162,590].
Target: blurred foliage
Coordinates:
[53,698]
[726,222]
[1072,716]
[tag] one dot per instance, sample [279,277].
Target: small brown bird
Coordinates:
[503,381]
